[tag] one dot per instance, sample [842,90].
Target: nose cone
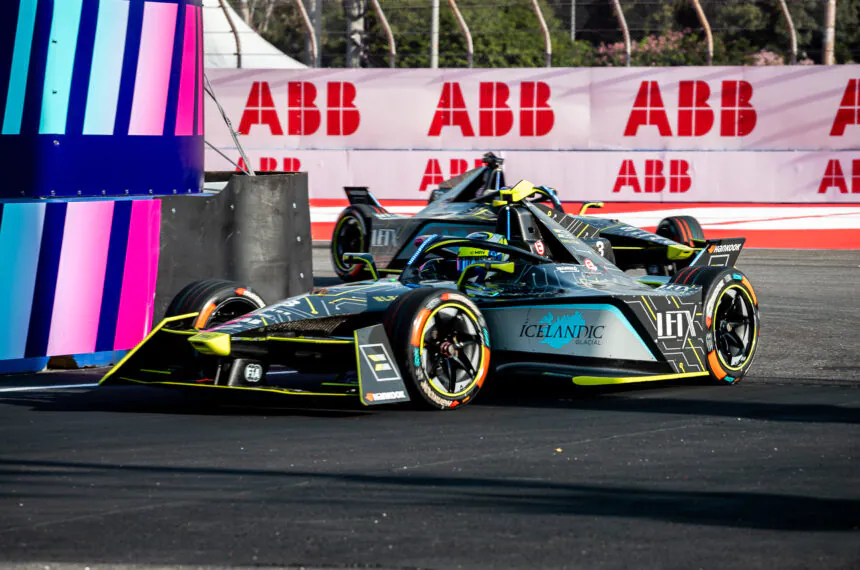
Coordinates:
[214,343]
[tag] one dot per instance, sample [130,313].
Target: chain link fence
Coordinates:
[508,33]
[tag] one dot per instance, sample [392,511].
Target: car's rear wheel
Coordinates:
[215,302]
[441,346]
[731,319]
[349,236]
[685,230]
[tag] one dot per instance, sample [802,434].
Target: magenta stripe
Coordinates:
[80,278]
[134,319]
[185,111]
[153,69]
[200,71]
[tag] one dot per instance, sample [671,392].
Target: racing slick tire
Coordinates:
[731,319]
[349,236]
[217,301]
[441,345]
[685,230]
[682,229]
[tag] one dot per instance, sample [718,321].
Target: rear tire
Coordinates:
[349,236]
[216,302]
[441,345]
[682,229]
[732,322]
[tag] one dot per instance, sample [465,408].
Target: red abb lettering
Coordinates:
[451,112]
[835,178]
[495,117]
[655,181]
[738,118]
[458,166]
[695,116]
[648,109]
[292,165]
[849,109]
[269,164]
[342,117]
[432,175]
[303,116]
[627,177]
[260,110]
[536,115]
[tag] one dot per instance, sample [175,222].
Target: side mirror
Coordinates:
[365,259]
[588,205]
[507,267]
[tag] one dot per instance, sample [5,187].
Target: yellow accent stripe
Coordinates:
[600,381]
[311,305]
[144,341]
[309,340]
[653,316]
[690,342]
[272,390]
[358,368]
[674,300]
[166,372]
[184,333]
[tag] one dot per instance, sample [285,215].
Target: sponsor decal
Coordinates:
[432,395]
[383,237]
[727,248]
[849,109]
[539,248]
[384,396]
[253,373]
[377,359]
[304,116]
[675,324]
[558,332]
[654,179]
[834,177]
[435,175]
[385,298]
[590,264]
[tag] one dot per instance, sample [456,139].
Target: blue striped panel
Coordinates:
[60,65]
[20,67]
[53,230]
[20,242]
[106,72]
[113,275]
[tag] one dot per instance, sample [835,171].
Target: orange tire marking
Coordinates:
[714,361]
[204,316]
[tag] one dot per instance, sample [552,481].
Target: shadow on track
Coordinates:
[500,497]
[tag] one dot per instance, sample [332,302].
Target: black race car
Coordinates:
[462,308]
[470,202]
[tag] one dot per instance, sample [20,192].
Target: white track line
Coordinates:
[38,388]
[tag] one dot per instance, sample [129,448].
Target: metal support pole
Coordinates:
[547,39]
[709,37]
[470,49]
[392,47]
[573,20]
[235,34]
[434,34]
[625,31]
[317,22]
[792,32]
[829,32]
[309,27]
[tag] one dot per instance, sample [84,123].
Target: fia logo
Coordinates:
[675,324]
[253,373]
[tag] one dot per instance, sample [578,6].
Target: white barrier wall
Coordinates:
[691,134]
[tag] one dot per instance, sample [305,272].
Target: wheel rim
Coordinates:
[226,311]
[734,327]
[452,355]
[348,238]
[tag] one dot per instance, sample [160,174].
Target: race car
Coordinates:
[470,202]
[463,310]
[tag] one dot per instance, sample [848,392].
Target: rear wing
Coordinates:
[720,253]
[360,195]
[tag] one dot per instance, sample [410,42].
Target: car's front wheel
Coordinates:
[215,302]
[441,345]
[349,236]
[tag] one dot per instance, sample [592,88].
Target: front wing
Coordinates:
[175,354]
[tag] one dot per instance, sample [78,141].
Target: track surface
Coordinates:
[763,474]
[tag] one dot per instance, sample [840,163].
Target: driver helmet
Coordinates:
[469,255]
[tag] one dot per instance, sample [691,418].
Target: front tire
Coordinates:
[441,345]
[732,323]
[215,302]
[685,230]
[349,236]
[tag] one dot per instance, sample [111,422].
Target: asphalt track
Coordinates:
[760,475]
